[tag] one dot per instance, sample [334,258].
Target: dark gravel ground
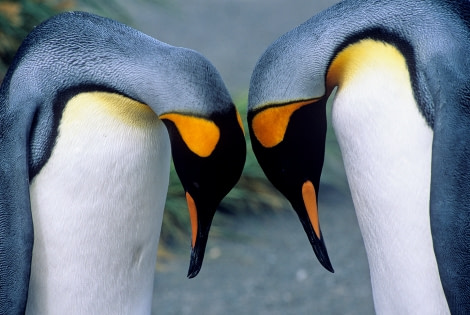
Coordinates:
[259,264]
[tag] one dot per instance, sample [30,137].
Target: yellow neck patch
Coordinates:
[365,54]
[270,125]
[200,135]
[120,107]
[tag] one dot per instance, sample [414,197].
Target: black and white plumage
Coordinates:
[85,113]
[401,115]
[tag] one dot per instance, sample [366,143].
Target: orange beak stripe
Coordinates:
[270,125]
[193,217]
[310,200]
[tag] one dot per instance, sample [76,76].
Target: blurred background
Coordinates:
[258,258]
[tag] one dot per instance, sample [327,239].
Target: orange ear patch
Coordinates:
[200,135]
[310,200]
[193,217]
[270,125]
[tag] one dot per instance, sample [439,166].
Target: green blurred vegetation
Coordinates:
[19,17]
[253,193]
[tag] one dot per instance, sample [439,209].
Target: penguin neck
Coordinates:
[386,147]
[121,60]
[97,207]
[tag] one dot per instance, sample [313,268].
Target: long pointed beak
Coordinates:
[308,215]
[199,236]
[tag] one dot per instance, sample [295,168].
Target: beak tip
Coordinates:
[193,272]
[195,263]
[325,262]
[321,252]
[328,266]
[194,268]
[323,258]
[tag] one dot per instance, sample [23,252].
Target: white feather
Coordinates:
[386,146]
[97,208]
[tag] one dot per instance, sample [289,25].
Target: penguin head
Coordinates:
[289,143]
[209,155]
[287,125]
[179,85]
[287,112]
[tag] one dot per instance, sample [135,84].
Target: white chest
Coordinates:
[97,207]
[386,147]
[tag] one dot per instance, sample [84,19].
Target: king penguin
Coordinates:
[90,112]
[400,73]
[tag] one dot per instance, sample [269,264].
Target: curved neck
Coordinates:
[82,51]
[300,58]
